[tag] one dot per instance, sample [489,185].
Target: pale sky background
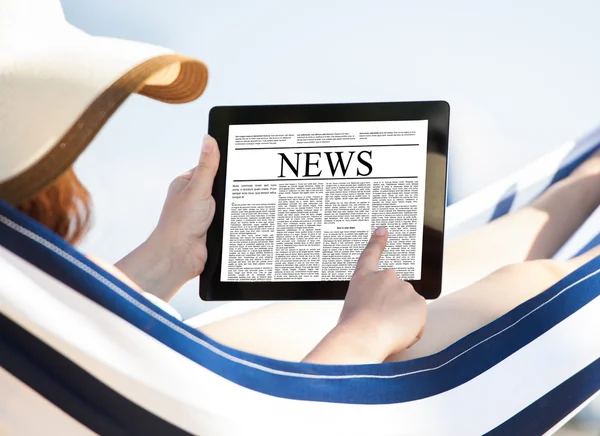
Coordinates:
[522,77]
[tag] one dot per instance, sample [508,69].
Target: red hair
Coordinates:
[64,207]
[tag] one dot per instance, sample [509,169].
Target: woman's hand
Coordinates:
[176,252]
[382,315]
[189,209]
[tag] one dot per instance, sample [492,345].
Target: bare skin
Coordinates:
[492,281]
[534,232]
[494,268]
[518,267]
[369,328]
[381,314]
[456,315]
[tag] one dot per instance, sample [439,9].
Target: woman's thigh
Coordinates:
[290,330]
[456,315]
[285,331]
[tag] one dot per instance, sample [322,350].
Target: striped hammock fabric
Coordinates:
[81,353]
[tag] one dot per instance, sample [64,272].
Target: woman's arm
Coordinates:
[382,315]
[157,268]
[176,251]
[348,344]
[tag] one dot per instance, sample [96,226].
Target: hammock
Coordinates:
[82,353]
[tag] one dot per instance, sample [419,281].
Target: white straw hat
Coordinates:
[59,85]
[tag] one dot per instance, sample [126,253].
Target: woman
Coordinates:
[58,86]
[382,316]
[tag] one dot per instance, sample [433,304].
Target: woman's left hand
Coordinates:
[176,250]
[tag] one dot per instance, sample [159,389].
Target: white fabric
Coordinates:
[163,305]
[186,394]
[182,392]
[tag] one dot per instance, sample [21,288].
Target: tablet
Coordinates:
[300,189]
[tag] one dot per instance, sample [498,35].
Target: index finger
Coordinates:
[371,255]
[204,176]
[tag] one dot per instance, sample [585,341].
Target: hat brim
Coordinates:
[138,68]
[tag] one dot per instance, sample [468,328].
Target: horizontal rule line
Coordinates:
[319,178]
[327,146]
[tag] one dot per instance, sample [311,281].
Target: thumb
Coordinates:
[204,176]
[371,255]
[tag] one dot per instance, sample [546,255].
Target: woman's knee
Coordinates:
[544,272]
[553,270]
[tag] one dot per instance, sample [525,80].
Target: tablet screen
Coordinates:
[303,198]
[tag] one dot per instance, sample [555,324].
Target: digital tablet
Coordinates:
[300,189]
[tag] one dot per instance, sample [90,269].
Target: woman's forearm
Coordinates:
[154,269]
[347,345]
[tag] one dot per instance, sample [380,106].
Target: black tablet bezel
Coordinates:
[436,112]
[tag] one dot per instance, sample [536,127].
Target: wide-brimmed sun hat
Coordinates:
[59,86]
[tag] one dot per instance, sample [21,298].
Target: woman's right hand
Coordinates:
[382,315]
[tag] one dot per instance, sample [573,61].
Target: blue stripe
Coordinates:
[72,389]
[506,202]
[592,244]
[591,142]
[412,380]
[545,413]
